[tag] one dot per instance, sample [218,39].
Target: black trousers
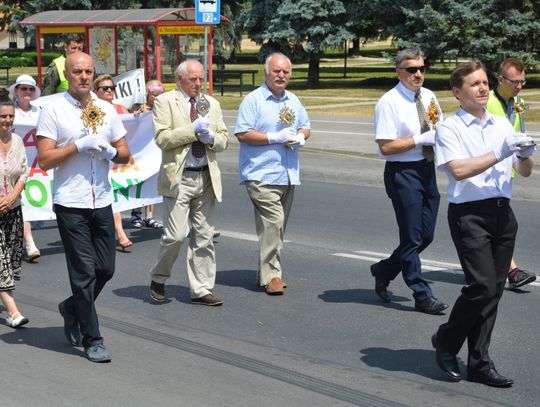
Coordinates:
[89,245]
[484,234]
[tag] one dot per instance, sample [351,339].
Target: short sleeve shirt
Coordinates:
[82,181]
[273,164]
[465,136]
[396,117]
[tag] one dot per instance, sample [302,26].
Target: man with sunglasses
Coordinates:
[55,80]
[505,101]
[401,132]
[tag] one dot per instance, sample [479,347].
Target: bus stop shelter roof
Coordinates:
[59,18]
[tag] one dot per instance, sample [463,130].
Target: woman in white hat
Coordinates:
[22,92]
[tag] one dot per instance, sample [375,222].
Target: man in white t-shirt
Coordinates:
[477,151]
[77,136]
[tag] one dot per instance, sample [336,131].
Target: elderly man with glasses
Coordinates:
[505,101]
[405,118]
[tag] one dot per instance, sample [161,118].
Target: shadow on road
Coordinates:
[238,278]
[417,361]
[50,338]
[142,292]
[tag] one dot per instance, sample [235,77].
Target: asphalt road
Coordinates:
[327,341]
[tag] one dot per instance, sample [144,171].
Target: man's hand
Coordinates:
[88,144]
[298,141]
[526,152]
[282,136]
[206,137]
[107,152]
[510,145]
[425,139]
[201,125]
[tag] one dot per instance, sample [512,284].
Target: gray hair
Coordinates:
[181,70]
[276,54]
[406,55]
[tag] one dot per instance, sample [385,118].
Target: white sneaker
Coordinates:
[16,320]
[32,253]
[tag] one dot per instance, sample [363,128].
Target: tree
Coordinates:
[304,27]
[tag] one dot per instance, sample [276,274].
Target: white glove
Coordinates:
[107,152]
[510,145]
[88,143]
[425,139]
[282,136]
[526,152]
[298,141]
[206,137]
[201,124]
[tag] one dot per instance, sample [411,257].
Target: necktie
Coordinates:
[197,148]
[424,125]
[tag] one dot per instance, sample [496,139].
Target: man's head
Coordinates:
[410,68]
[73,43]
[511,78]
[278,71]
[470,86]
[79,74]
[190,77]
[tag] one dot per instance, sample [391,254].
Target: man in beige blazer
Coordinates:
[190,182]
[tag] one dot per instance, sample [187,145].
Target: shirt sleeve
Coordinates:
[447,145]
[385,121]
[46,125]
[247,114]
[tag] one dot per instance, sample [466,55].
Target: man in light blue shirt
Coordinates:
[271,126]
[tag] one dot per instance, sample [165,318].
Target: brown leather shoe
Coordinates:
[157,291]
[275,287]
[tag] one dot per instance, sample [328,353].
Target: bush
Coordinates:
[26,58]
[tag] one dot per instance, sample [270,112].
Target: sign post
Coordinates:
[206,12]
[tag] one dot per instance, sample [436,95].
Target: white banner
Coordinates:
[134,184]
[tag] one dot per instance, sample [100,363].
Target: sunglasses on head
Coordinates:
[5,116]
[27,88]
[106,88]
[413,69]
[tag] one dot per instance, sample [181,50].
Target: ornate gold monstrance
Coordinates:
[286,116]
[434,113]
[92,116]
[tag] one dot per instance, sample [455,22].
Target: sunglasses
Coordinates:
[107,88]
[414,69]
[26,88]
[514,82]
[5,116]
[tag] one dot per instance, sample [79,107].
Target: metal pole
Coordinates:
[205,56]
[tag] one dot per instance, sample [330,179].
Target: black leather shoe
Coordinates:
[71,325]
[430,305]
[446,361]
[381,283]
[489,377]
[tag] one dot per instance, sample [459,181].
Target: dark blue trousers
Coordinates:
[412,187]
[89,245]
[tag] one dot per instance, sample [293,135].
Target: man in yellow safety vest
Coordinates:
[505,101]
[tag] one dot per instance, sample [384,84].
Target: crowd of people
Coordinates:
[480,149]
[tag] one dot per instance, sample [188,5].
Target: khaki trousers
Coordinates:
[272,205]
[191,210]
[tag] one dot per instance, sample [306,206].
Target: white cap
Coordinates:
[24,80]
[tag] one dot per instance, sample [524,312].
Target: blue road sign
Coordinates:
[207,11]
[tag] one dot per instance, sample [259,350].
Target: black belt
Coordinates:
[488,203]
[196,169]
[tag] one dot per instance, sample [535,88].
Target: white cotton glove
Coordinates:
[526,152]
[510,145]
[206,137]
[88,144]
[107,152]
[201,125]
[425,139]
[282,136]
[298,141]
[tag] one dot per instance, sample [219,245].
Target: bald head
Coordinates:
[190,77]
[79,73]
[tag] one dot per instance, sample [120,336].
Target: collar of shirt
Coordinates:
[469,119]
[267,93]
[407,93]
[186,97]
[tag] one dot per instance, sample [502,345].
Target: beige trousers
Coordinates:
[194,206]
[272,205]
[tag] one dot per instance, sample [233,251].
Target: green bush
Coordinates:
[25,58]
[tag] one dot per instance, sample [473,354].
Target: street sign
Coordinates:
[207,11]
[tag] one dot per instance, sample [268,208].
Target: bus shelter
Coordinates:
[156,40]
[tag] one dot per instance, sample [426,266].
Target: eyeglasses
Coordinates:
[515,82]
[414,69]
[26,88]
[5,116]
[107,88]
